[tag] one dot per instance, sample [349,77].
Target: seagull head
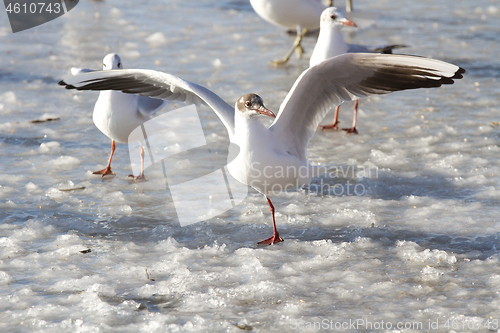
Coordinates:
[334,18]
[112,61]
[250,105]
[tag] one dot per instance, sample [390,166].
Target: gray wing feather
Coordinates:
[348,77]
[148,106]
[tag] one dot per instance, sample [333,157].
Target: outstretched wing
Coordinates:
[150,83]
[348,77]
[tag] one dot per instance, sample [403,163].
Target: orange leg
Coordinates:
[107,170]
[275,238]
[141,177]
[336,121]
[353,128]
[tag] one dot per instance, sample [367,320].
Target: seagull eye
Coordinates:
[248,104]
[333,17]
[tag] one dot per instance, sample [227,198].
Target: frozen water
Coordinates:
[406,233]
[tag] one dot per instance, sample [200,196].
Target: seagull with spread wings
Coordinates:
[274,159]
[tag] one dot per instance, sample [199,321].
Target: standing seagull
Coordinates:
[331,44]
[117,114]
[302,15]
[274,159]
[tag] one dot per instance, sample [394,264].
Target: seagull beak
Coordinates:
[266,112]
[348,22]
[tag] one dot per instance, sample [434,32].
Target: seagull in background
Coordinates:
[117,114]
[302,15]
[274,159]
[331,44]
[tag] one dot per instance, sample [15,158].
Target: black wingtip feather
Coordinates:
[458,73]
[404,78]
[65,85]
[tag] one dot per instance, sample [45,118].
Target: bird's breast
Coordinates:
[269,170]
[116,115]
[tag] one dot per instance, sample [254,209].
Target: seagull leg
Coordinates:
[275,238]
[107,170]
[353,128]
[336,121]
[348,6]
[141,177]
[298,42]
[296,46]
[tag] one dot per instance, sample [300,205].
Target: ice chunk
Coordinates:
[8,97]
[158,38]
[5,278]
[64,163]
[30,187]
[49,147]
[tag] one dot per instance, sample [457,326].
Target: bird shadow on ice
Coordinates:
[376,184]
[390,187]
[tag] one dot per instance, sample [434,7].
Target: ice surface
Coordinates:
[403,228]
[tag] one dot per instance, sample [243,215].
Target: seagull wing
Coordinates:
[150,83]
[348,77]
[147,105]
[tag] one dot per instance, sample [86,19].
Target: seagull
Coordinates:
[331,43]
[302,15]
[117,114]
[273,159]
